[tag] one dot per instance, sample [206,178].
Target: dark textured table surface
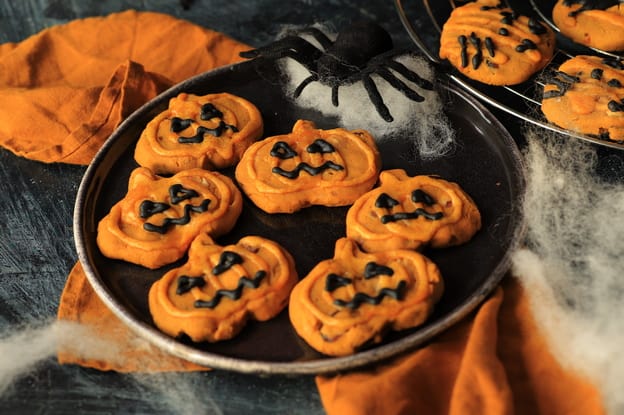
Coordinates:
[37,248]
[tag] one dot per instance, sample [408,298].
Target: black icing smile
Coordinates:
[233,294]
[284,151]
[313,171]
[385,201]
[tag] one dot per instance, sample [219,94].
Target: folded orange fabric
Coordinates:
[494,362]
[70,85]
[80,304]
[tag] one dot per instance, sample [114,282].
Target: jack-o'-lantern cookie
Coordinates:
[355,298]
[219,288]
[495,45]
[309,166]
[406,212]
[586,95]
[210,131]
[157,219]
[595,23]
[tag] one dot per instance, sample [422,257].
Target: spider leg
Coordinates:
[334,94]
[399,85]
[410,75]
[319,36]
[293,47]
[387,60]
[304,83]
[376,99]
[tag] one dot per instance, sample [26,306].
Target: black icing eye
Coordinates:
[282,150]
[178,193]
[179,124]
[374,269]
[186,283]
[209,111]
[335,281]
[419,196]
[149,208]
[384,201]
[226,261]
[320,146]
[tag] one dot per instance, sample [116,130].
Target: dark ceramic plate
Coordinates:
[486,164]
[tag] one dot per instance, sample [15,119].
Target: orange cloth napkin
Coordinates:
[70,86]
[492,362]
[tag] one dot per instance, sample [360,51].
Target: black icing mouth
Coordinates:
[394,217]
[313,171]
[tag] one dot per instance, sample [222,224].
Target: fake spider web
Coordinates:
[424,122]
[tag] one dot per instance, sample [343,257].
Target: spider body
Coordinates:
[359,51]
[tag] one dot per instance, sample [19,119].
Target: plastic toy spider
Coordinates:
[359,51]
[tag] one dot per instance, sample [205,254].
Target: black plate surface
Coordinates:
[486,164]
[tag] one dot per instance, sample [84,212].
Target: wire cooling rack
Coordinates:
[523,100]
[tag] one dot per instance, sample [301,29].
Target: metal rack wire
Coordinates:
[522,100]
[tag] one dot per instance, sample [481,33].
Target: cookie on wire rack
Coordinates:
[493,44]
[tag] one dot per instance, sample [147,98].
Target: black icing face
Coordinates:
[351,292]
[190,131]
[316,159]
[419,204]
[175,202]
[227,261]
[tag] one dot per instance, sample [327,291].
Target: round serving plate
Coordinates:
[486,163]
[423,20]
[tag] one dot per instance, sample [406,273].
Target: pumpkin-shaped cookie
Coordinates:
[213,295]
[157,219]
[309,166]
[210,131]
[406,212]
[353,299]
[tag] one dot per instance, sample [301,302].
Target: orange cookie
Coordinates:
[586,95]
[410,212]
[156,221]
[210,132]
[599,24]
[495,45]
[353,299]
[211,297]
[309,166]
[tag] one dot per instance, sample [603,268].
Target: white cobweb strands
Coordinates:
[573,267]
[24,350]
[425,122]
